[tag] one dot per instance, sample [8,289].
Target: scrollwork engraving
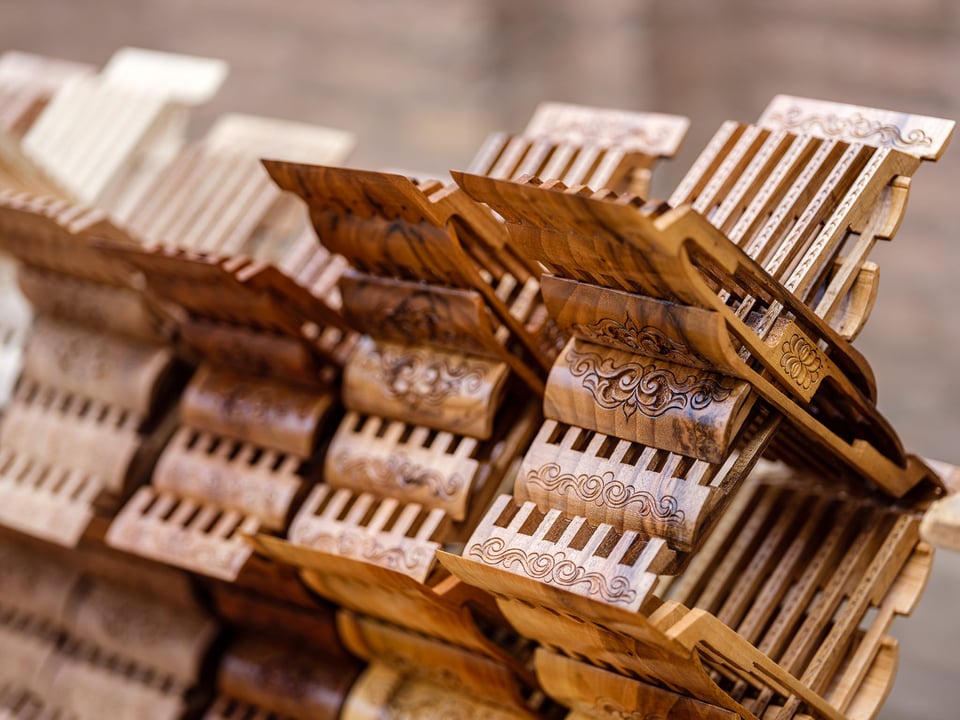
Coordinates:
[418,380]
[370,472]
[605,490]
[647,340]
[554,569]
[644,387]
[371,549]
[857,126]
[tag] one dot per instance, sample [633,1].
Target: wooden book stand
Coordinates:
[453,325]
[103,138]
[91,319]
[27,82]
[235,464]
[269,343]
[94,636]
[584,145]
[448,311]
[87,410]
[697,325]
[282,661]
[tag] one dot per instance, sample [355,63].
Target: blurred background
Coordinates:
[421,84]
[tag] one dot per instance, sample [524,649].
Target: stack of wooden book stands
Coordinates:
[291,440]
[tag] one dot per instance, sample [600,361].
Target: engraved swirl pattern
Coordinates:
[554,569]
[857,126]
[392,472]
[421,381]
[606,491]
[369,548]
[647,340]
[647,388]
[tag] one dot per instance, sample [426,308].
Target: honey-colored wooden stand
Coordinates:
[441,396]
[698,327]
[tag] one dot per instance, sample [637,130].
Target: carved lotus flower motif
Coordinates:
[801,361]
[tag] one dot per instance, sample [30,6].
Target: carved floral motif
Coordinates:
[649,388]
[801,361]
[647,340]
[605,490]
[554,569]
[392,472]
[857,126]
[419,380]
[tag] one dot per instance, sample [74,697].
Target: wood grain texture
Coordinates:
[122,372]
[103,308]
[596,694]
[260,411]
[454,668]
[273,675]
[128,639]
[396,228]
[396,598]
[383,693]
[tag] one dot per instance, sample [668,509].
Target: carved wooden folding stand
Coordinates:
[89,636]
[26,84]
[698,327]
[269,346]
[453,325]
[282,662]
[88,407]
[123,125]
[98,357]
[98,139]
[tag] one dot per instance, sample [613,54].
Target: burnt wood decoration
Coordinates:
[649,564]
[441,395]
[698,326]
